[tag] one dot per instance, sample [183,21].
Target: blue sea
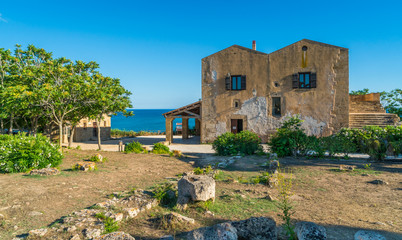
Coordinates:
[145,120]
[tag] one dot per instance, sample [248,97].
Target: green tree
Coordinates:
[110,97]
[392,101]
[360,92]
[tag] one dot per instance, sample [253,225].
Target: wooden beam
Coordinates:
[191,113]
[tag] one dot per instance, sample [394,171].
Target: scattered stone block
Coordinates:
[38,232]
[195,188]
[115,236]
[167,237]
[347,167]
[146,148]
[97,158]
[256,228]
[131,212]
[45,172]
[223,231]
[309,231]
[368,235]
[166,143]
[85,166]
[177,153]
[75,237]
[379,182]
[274,166]
[177,218]
[92,233]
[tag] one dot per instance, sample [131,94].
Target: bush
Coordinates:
[290,139]
[159,148]
[166,194]
[245,142]
[135,147]
[21,153]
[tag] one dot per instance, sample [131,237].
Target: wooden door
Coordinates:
[234,126]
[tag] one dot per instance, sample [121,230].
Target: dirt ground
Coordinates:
[343,202]
[32,202]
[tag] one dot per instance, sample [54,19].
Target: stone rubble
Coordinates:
[85,224]
[45,171]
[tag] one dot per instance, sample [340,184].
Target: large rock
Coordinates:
[368,235]
[85,166]
[256,228]
[310,231]
[115,236]
[223,231]
[38,232]
[195,188]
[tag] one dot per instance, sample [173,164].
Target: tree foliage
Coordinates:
[38,91]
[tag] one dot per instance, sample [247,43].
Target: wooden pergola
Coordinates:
[190,111]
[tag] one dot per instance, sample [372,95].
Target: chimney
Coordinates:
[254,45]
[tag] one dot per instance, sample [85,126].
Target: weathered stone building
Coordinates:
[86,130]
[306,78]
[244,89]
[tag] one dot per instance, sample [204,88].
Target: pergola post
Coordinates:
[197,127]
[169,129]
[185,128]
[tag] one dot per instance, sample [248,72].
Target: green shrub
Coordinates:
[166,194]
[290,139]
[201,171]
[159,148]
[245,142]
[21,153]
[110,224]
[134,147]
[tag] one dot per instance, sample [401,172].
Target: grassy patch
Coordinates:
[237,207]
[357,171]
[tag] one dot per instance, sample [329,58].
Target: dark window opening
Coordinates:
[236,103]
[235,83]
[276,84]
[276,106]
[304,80]
[95,130]
[236,125]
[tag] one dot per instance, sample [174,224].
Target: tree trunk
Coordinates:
[34,126]
[70,140]
[1,126]
[60,133]
[10,130]
[99,134]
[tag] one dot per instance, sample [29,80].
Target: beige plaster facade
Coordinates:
[269,79]
[86,129]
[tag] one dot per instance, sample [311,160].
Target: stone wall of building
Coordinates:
[324,109]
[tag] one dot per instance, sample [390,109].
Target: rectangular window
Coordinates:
[276,106]
[304,80]
[236,125]
[236,83]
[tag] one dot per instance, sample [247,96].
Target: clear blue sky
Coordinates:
[155,47]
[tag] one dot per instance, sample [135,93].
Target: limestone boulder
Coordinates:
[256,228]
[195,188]
[274,166]
[38,233]
[368,235]
[85,166]
[177,218]
[115,236]
[310,231]
[223,231]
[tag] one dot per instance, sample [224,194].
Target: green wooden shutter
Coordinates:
[313,80]
[295,80]
[243,82]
